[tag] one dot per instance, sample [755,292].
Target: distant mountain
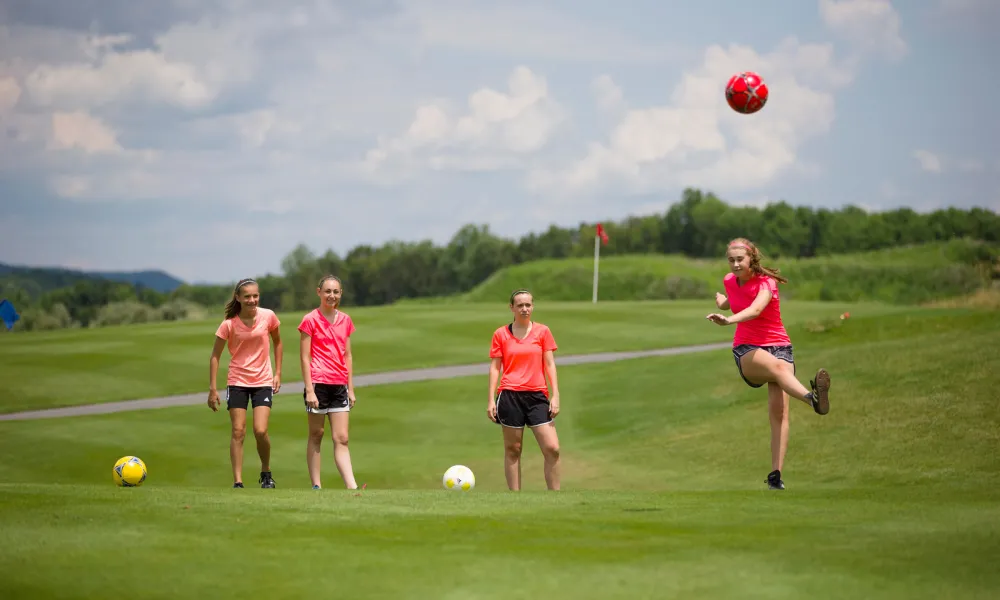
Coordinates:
[50,278]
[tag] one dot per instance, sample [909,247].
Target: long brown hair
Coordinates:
[233,307]
[755,255]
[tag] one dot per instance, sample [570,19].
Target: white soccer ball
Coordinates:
[459,478]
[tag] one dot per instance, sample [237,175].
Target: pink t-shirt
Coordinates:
[250,348]
[327,346]
[523,363]
[764,330]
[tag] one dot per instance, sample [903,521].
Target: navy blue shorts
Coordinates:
[783,352]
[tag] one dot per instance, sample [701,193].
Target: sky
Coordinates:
[208,138]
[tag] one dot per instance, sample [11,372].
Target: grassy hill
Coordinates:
[38,280]
[904,275]
[894,494]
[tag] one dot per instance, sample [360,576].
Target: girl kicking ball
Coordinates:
[761,346]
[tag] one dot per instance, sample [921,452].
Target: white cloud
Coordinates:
[68,70]
[872,25]
[929,161]
[495,129]
[80,130]
[143,75]
[170,120]
[697,140]
[258,105]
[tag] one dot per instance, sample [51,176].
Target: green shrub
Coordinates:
[125,313]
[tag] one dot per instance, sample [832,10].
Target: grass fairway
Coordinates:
[70,367]
[894,494]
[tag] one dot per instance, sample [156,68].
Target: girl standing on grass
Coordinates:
[523,352]
[761,346]
[328,377]
[248,330]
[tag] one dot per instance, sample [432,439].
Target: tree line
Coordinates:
[699,226]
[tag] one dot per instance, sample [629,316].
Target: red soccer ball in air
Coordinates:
[746,92]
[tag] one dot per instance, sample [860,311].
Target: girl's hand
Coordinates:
[718,319]
[213,400]
[491,410]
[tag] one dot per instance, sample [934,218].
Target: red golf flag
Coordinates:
[602,234]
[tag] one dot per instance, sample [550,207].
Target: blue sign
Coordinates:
[8,314]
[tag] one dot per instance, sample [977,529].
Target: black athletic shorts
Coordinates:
[332,398]
[238,396]
[520,409]
[783,352]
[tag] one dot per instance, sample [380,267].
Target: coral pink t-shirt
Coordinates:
[327,346]
[250,349]
[764,330]
[523,363]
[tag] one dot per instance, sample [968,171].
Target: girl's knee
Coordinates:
[340,439]
[316,435]
[239,434]
[513,449]
[785,366]
[551,451]
[260,432]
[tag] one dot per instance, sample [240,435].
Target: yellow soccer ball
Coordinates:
[129,471]
[459,478]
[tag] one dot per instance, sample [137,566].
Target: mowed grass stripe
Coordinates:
[69,368]
[291,389]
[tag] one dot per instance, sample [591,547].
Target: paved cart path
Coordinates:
[427,374]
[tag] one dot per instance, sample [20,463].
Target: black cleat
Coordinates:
[266,481]
[238,484]
[774,481]
[821,392]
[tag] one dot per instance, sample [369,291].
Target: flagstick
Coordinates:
[597,253]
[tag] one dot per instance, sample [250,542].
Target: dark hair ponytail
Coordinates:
[233,306]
